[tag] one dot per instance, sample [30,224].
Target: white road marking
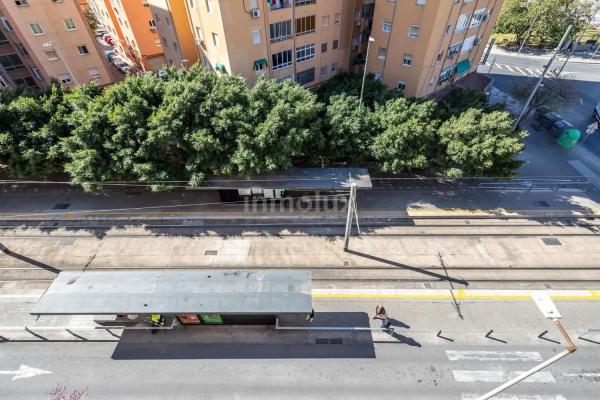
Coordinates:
[508,67]
[521,71]
[582,374]
[473,396]
[531,72]
[500,376]
[25,372]
[455,355]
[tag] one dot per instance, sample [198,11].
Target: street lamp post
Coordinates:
[549,310]
[362,89]
[53,46]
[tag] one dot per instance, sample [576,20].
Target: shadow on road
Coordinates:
[28,260]
[410,268]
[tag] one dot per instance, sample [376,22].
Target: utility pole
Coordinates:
[362,89]
[539,82]
[577,40]
[351,213]
[537,16]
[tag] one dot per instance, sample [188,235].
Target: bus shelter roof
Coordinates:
[177,292]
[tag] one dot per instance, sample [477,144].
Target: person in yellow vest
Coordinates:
[157,320]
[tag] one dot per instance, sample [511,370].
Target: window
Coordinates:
[468,44]
[306,76]
[36,28]
[20,3]
[282,59]
[82,49]
[413,31]
[323,47]
[453,50]
[6,24]
[65,78]
[479,16]
[51,55]
[421,2]
[305,25]
[333,67]
[304,2]
[152,24]
[325,21]
[22,48]
[94,73]
[168,21]
[69,24]
[439,56]
[336,44]
[259,66]
[3,82]
[3,39]
[401,85]
[280,30]
[157,18]
[338,19]
[208,5]
[446,74]
[382,53]
[164,41]
[215,39]
[176,47]
[191,3]
[324,71]
[37,73]
[199,35]
[463,22]
[305,52]
[11,62]
[387,26]
[407,60]
[447,30]
[256,36]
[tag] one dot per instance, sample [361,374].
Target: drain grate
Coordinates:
[541,203]
[551,242]
[211,252]
[62,206]
[329,341]
[346,263]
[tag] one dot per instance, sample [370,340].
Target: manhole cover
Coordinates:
[346,263]
[551,242]
[62,206]
[541,203]
[211,252]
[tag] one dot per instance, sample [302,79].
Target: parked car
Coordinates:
[121,65]
[597,113]
[108,39]
[110,54]
[564,132]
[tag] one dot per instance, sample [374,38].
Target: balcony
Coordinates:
[279,4]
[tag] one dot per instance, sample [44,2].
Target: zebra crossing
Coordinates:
[498,376]
[532,72]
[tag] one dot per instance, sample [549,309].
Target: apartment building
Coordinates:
[133,30]
[421,46]
[171,22]
[53,41]
[305,40]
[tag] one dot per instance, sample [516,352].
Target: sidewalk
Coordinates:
[535,54]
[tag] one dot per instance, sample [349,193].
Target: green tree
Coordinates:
[480,144]
[407,130]
[556,91]
[350,84]
[515,18]
[286,123]
[460,99]
[349,129]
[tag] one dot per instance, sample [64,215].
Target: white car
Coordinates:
[120,64]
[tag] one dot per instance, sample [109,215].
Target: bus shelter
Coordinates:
[143,299]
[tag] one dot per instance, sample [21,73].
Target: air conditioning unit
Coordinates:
[152,29]
[255,13]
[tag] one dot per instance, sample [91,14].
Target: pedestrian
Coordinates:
[381,314]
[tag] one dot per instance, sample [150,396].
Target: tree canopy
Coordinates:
[193,124]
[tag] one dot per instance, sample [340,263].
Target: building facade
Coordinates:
[278,39]
[421,46]
[171,22]
[133,30]
[53,41]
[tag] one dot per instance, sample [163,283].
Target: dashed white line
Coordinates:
[500,376]
[521,71]
[455,355]
[473,396]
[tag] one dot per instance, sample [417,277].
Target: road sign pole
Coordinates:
[539,82]
[351,202]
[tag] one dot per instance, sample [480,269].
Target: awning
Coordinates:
[173,292]
[260,62]
[463,66]
[221,68]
